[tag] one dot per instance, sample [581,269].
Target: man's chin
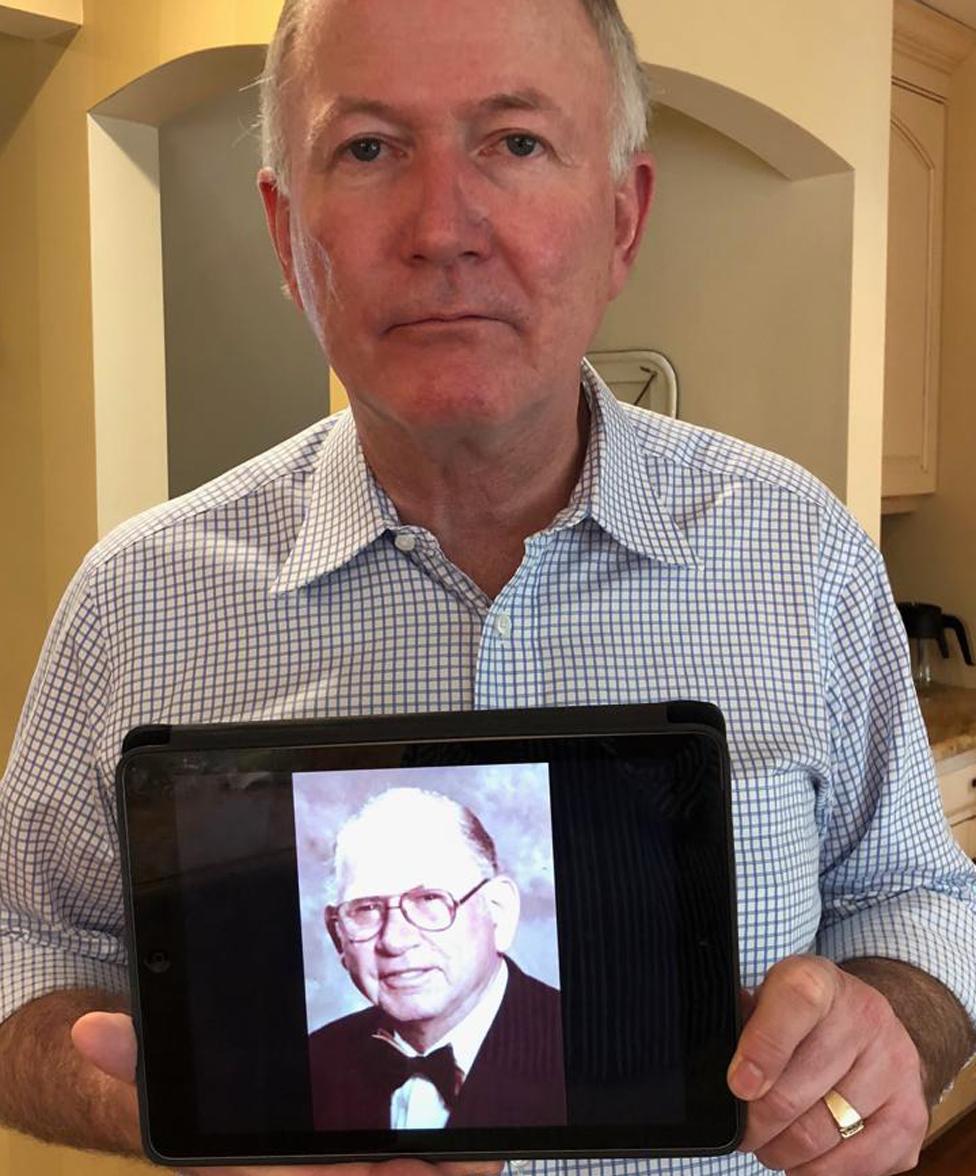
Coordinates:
[408,1001]
[453,404]
[412,1013]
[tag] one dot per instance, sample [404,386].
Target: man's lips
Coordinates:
[405,977]
[445,321]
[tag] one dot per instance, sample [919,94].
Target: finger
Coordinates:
[472,1168]
[108,1041]
[401,1167]
[860,1046]
[812,1135]
[818,1063]
[890,1142]
[747,1002]
[795,997]
[410,1167]
[875,1083]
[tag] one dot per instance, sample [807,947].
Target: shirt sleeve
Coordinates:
[60,885]
[894,883]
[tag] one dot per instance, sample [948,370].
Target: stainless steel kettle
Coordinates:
[924,624]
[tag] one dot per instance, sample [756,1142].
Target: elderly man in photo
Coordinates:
[459,1035]
[456,190]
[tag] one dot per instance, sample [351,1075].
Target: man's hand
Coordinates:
[108,1041]
[814,1027]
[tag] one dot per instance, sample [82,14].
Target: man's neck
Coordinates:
[483,496]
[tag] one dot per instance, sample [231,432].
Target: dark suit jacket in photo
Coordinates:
[516,1080]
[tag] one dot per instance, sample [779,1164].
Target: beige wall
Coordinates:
[24,1157]
[743,281]
[931,554]
[23,606]
[826,65]
[46,396]
[243,369]
[46,88]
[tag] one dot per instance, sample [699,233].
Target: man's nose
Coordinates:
[397,933]
[446,222]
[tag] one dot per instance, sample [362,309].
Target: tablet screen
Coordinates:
[496,946]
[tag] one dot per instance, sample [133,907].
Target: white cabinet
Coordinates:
[928,48]
[957,783]
[912,348]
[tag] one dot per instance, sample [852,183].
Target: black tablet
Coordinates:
[496,934]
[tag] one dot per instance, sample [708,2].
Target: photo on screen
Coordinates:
[431,955]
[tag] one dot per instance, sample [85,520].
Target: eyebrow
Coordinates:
[529,99]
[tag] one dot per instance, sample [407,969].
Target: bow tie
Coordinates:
[394,1068]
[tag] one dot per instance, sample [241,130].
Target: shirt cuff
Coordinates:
[31,970]
[934,932]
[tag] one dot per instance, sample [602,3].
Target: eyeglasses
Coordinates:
[429,910]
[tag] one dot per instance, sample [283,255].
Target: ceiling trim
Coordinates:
[37,22]
[929,37]
[963,11]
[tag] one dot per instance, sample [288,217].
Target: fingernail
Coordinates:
[745,1078]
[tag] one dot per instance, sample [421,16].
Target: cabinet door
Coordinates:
[914,292]
[956,1103]
[957,784]
[964,832]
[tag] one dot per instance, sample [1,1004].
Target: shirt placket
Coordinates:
[507,670]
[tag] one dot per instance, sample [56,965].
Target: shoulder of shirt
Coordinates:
[293,460]
[692,450]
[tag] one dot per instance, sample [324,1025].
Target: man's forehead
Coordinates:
[366,35]
[411,857]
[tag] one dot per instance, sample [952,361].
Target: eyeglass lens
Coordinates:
[428,910]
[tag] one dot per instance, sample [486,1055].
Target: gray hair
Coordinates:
[629,116]
[399,810]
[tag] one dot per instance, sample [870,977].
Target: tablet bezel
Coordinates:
[574,723]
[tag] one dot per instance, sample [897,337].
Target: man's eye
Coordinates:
[365,908]
[522,146]
[428,897]
[364,150]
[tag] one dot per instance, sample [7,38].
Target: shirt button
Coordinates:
[405,541]
[503,625]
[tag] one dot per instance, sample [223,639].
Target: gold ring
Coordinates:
[848,1121]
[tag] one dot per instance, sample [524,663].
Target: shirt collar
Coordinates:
[616,488]
[348,509]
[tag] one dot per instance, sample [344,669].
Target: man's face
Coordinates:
[444,199]
[425,979]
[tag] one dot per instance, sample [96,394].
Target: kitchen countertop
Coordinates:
[950,719]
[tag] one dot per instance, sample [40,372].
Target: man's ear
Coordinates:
[333,930]
[504,905]
[277,214]
[632,203]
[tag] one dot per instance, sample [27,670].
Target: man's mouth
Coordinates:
[451,321]
[405,978]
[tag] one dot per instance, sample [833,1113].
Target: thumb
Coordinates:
[747,1002]
[108,1041]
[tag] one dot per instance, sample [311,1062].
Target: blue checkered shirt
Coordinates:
[686,565]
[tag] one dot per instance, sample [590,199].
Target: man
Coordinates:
[456,190]
[458,1036]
